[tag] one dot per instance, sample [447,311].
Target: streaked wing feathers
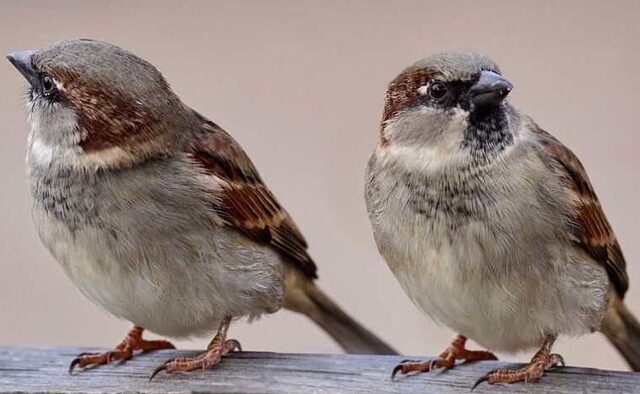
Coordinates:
[246,203]
[591,227]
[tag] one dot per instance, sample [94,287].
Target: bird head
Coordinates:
[93,103]
[449,104]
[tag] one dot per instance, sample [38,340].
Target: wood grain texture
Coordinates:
[45,370]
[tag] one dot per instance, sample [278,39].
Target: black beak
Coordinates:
[22,61]
[490,90]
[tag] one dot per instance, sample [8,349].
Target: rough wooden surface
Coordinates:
[45,370]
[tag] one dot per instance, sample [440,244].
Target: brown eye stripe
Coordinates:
[402,92]
[106,117]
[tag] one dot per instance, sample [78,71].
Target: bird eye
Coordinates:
[437,90]
[48,85]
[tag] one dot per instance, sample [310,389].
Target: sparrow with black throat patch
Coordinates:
[490,223]
[156,213]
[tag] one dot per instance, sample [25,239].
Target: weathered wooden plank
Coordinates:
[45,370]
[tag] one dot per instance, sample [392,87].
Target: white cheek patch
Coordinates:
[443,153]
[460,119]
[425,159]
[46,154]
[40,152]
[54,136]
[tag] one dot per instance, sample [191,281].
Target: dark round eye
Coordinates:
[437,90]
[48,85]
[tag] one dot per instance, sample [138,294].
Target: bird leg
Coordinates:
[218,347]
[124,351]
[542,361]
[446,360]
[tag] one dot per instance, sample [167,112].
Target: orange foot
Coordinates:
[446,360]
[542,361]
[219,346]
[122,352]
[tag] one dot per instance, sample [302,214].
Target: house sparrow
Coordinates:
[489,223]
[156,213]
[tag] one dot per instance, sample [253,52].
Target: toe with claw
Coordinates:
[406,367]
[543,361]
[220,346]
[122,352]
[208,359]
[446,360]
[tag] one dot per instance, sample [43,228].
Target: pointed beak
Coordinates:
[490,90]
[22,61]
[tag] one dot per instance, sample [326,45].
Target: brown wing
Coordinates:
[246,203]
[591,227]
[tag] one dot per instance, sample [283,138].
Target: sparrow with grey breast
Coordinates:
[490,223]
[156,213]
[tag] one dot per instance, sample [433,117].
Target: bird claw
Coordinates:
[556,359]
[75,362]
[159,369]
[482,379]
[78,360]
[109,356]
[232,345]
[396,369]
[407,366]
[208,359]
[124,351]
[540,363]
[446,360]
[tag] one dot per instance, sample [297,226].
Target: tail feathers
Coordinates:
[623,331]
[306,298]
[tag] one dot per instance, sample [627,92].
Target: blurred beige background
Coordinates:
[301,86]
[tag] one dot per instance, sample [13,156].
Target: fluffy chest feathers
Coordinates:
[472,244]
[488,202]
[146,244]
